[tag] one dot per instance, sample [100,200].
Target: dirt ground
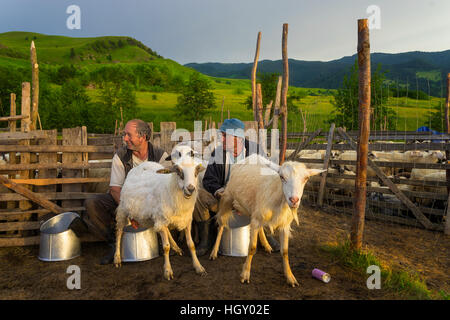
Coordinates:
[23,276]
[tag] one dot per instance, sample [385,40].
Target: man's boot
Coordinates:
[109,257]
[204,235]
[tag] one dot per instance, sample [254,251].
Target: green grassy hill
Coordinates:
[67,50]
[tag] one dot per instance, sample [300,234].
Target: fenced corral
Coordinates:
[406,176]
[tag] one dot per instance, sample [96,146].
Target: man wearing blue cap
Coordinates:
[235,147]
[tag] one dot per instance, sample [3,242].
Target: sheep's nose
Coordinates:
[191,188]
[293,200]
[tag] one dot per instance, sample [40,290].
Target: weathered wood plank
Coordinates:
[50,196]
[72,136]
[325,165]
[54,181]
[13,226]
[16,242]
[39,166]
[17,213]
[167,128]
[29,195]
[58,148]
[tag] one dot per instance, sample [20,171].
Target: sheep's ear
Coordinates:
[164,171]
[199,168]
[313,172]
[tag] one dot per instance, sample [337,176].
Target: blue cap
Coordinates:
[234,127]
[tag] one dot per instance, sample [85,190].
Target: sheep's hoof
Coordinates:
[268,249]
[245,277]
[168,274]
[178,251]
[293,282]
[213,256]
[117,262]
[201,271]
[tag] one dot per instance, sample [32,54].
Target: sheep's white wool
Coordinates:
[155,199]
[264,196]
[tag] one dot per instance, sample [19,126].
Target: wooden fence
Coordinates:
[330,196]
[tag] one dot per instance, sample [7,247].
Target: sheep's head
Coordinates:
[294,176]
[179,151]
[186,169]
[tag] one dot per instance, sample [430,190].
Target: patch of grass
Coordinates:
[406,284]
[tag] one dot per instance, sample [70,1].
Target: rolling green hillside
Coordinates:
[425,71]
[67,50]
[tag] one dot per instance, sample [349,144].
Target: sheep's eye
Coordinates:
[179,154]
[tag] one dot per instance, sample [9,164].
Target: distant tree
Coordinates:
[64,107]
[114,97]
[196,98]
[346,107]
[64,73]
[72,53]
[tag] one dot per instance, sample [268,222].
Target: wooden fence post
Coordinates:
[35,85]
[259,107]
[255,65]
[364,130]
[284,90]
[276,110]
[221,113]
[72,137]
[48,158]
[447,156]
[325,166]
[253,126]
[25,157]
[12,155]
[447,128]
[167,128]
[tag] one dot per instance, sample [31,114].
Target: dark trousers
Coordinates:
[101,216]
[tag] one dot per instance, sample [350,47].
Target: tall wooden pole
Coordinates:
[364,130]
[259,107]
[255,65]
[284,90]
[35,87]
[447,156]
[447,128]
[276,110]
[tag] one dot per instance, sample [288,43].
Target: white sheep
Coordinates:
[154,198]
[270,197]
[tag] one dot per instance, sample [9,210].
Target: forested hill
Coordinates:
[426,71]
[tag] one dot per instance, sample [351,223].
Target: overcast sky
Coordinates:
[226,30]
